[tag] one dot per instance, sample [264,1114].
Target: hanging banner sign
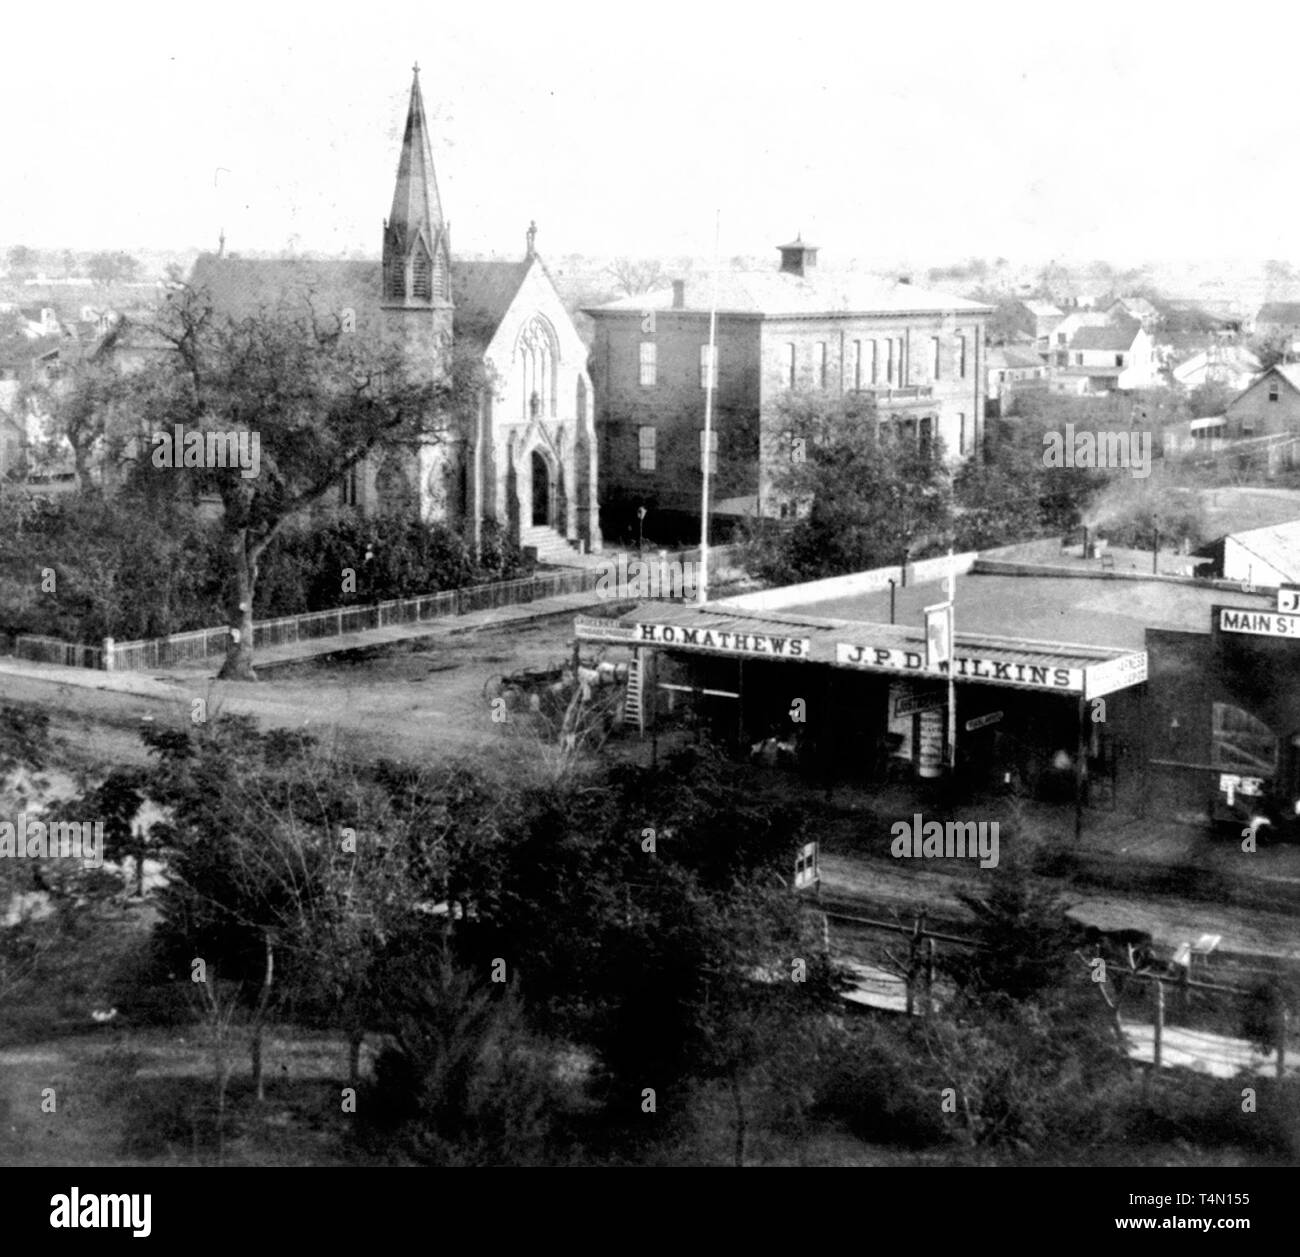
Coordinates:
[1115,674]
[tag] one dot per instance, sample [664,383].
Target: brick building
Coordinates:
[919,354]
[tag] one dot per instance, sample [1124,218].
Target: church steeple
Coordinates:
[417,262]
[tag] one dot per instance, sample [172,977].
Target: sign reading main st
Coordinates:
[1257,623]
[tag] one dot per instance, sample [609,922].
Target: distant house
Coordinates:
[1277,318]
[1011,369]
[1233,366]
[1115,357]
[1037,320]
[1065,330]
[1268,407]
[1133,308]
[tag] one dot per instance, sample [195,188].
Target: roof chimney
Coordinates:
[679,294]
[797,258]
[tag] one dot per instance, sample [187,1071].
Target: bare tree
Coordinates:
[635,276]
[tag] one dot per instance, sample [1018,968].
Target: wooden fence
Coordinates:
[199,645]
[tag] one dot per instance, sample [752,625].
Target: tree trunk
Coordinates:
[259,1018]
[239,648]
[355,1039]
[738,1099]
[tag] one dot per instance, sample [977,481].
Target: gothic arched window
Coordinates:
[421,273]
[538,368]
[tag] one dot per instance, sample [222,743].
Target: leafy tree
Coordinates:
[318,403]
[1210,398]
[866,495]
[1272,348]
[106,269]
[22,260]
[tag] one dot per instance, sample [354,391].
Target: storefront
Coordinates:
[865,701]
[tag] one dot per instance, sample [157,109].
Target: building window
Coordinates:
[1247,427]
[819,364]
[645,442]
[1240,742]
[648,364]
[348,487]
[1078,360]
[889,362]
[857,365]
[961,355]
[708,367]
[1119,360]
[790,365]
[713,450]
[1274,391]
[961,432]
[875,361]
[934,357]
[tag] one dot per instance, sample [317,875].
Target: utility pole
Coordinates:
[706,454]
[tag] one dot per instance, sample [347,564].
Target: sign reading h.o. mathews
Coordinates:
[727,641]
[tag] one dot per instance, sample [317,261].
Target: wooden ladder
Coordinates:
[633,708]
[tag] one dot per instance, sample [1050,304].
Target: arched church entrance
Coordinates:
[541,490]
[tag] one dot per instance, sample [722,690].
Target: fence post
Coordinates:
[339,616]
[1281,1041]
[108,654]
[1159,1036]
[929,976]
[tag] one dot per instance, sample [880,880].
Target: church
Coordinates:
[527,460]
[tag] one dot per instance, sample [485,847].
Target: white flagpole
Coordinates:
[952,662]
[706,455]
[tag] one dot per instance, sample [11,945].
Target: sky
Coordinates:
[931,131]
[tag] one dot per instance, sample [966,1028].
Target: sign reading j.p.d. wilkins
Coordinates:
[997,671]
[726,640]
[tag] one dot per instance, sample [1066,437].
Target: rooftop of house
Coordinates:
[1277,545]
[1109,337]
[1043,309]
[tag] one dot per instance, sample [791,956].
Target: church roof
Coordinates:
[482,292]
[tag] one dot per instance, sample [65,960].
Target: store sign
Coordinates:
[1114,674]
[938,635]
[970,668]
[1233,784]
[906,704]
[1288,600]
[982,722]
[725,640]
[604,631]
[1257,623]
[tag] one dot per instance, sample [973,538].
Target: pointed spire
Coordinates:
[415,245]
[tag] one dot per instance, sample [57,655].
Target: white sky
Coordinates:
[932,131]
